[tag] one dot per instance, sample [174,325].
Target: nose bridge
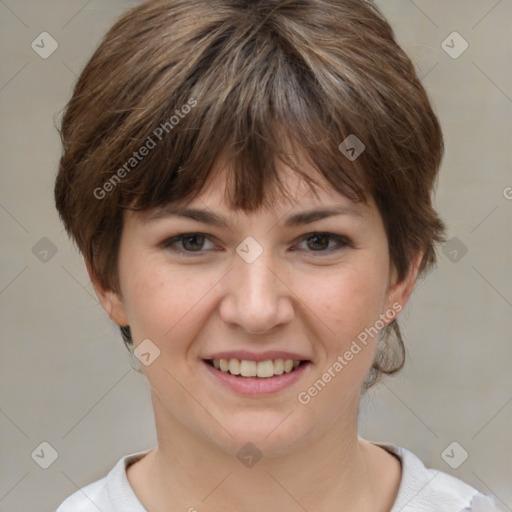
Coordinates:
[258,278]
[257,299]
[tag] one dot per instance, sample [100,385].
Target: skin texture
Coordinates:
[299,295]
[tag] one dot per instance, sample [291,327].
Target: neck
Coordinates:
[335,471]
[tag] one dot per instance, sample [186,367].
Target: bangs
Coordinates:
[249,103]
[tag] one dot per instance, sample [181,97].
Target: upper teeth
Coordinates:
[247,368]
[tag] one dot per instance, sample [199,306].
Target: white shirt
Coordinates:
[421,489]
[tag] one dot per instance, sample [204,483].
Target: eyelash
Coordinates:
[342,242]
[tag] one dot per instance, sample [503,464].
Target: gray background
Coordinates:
[66,377]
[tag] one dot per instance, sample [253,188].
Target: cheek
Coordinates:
[350,307]
[164,306]
[352,300]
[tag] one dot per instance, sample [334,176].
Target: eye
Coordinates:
[186,242]
[320,242]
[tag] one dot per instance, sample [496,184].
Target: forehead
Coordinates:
[297,191]
[302,202]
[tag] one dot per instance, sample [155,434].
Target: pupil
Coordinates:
[321,237]
[193,246]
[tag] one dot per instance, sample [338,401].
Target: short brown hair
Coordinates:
[191,80]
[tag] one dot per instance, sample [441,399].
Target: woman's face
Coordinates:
[252,289]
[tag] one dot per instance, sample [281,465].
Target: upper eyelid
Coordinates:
[333,236]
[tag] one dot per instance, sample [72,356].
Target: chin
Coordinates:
[264,433]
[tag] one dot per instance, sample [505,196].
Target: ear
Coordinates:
[400,292]
[110,300]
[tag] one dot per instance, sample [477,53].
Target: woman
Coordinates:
[250,185]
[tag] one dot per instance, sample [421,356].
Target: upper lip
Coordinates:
[257,356]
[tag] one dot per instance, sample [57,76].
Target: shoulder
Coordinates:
[88,498]
[429,490]
[112,492]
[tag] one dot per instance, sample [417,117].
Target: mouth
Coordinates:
[245,368]
[250,378]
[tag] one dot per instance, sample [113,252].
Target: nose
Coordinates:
[257,300]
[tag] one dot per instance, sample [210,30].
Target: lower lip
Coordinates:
[257,386]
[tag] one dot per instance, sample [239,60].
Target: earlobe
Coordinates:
[110,300]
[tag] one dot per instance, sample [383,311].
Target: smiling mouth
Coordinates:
[262,369]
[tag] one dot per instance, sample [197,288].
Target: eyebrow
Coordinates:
[297,219]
